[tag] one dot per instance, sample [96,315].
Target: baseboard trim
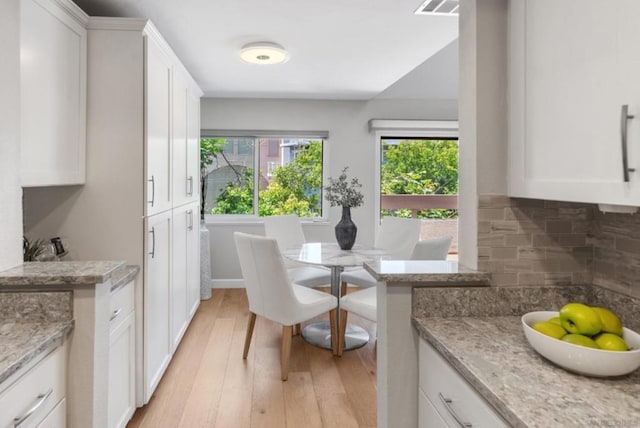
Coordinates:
[227,283]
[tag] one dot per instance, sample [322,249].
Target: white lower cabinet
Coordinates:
[157,301]
[35,398]
[446,399]
[122,398]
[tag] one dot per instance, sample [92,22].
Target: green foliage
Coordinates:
[293,189]
[421,167]
[210,148]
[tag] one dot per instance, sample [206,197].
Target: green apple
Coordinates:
[549,328]
[611,342]
[578,339]
[610,321]
[577,318]
[555,320]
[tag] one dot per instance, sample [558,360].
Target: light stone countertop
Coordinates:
[426,273]
[21,342]
[60,273]
[492,354]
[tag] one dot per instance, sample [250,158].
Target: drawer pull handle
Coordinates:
[447,404]
[115,314]
[190,186]
[42,398]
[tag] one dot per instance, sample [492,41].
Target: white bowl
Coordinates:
[580,359]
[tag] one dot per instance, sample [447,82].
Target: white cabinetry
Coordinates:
[571,72]
[36,396]
[186,249]
[446,399]
[157,318]
[158,126]
[132,73]
[122,399]
[53,71]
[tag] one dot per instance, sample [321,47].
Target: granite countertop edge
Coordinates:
[124,276]
[73,273]
[462,369]
[59,330]
[465,277]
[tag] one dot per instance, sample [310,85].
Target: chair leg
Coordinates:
[335,337]
[296,329]
[285,351]
[343,330]
[247,339]
[343,289]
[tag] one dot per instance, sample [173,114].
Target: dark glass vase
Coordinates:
[346,230]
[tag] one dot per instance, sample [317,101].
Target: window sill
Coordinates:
[211,220]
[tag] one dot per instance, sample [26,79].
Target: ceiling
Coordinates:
[339,49]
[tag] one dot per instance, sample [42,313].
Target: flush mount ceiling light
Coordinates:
[438,7]
[263,53]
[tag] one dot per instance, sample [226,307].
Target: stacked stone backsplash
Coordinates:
[535,242]
[616,242]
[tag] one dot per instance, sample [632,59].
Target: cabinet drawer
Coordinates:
[57,418]
[41,388]
[450,394]
[121,303]
[428,416]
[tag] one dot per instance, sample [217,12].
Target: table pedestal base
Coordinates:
[319,334]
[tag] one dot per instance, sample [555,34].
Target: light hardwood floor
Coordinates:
[208,384]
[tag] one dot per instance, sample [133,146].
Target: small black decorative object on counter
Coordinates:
[346,230]
[346,194]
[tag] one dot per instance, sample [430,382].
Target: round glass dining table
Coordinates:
[336,259]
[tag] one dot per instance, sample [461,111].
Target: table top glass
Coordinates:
[329,254]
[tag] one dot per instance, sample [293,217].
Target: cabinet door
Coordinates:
[53,72]
[121,402]
[182,185]
[566,100]
[193,143]
[157,329]
[157,127]
[193,259]
[182,221]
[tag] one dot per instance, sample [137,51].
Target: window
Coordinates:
[263,176]
[413,171]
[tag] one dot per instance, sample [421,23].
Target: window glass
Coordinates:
[287,173]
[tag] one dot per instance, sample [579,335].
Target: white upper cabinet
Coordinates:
[186,138]
[158,126]
[53,72]
[574,65]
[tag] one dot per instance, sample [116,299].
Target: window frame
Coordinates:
[268,134]
[426,129]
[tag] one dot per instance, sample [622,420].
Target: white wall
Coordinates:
[483,114]
[10,190]
[350,144]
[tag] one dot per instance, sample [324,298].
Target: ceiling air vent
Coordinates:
[438,7]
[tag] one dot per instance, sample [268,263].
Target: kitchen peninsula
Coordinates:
[98,296]
[397,338]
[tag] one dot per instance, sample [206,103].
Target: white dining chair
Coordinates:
[272,295]
[362,303]
[397,237]
[432,249]
[287,231]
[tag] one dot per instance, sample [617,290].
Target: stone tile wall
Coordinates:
[535,242]
[616,242]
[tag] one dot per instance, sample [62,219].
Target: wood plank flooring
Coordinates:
[208,384]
